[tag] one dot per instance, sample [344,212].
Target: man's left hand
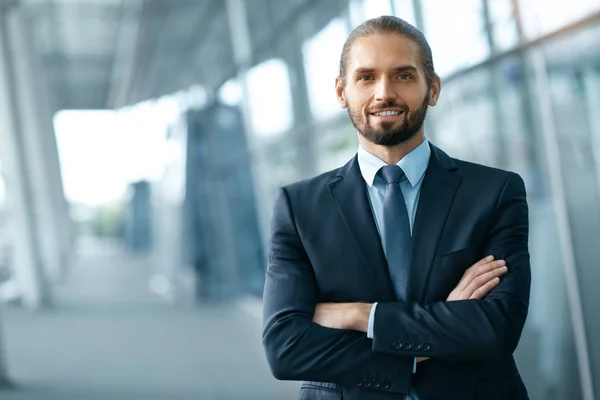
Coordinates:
[352,316]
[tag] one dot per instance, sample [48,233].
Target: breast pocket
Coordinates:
[447,270]
[462,258]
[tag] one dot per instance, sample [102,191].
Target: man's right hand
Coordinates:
[479,280]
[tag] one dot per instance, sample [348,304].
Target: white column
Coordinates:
[36,128]
[23,225]
[60,219]
[242,51]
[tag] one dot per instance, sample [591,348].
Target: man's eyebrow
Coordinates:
[401,68]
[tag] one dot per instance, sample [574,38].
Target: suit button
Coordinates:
[386,384]
[417,346]
[367,383]
[426,347]
[376,384]
[407,346]
[359,383]
[397,345]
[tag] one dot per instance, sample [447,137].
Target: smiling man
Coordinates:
[405,273]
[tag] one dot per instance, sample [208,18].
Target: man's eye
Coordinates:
[365,78]
[404,77]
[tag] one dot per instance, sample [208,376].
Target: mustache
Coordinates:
[390,104]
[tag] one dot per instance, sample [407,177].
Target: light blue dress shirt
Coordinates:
[414,165]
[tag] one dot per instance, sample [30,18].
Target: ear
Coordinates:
[434,91]
[339,91]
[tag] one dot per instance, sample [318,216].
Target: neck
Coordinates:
[392,154]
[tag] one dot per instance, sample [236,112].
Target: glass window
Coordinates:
[503,24]
[405,10]
[321,63]
[355,11]
[376,8]
[455,31]
[542,16]
[270,98]
[362,10]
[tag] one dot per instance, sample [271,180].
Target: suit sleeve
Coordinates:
[298,349]
[470,329]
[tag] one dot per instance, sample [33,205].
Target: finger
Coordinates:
[484,268]
[477,270]
[485,278]
[484,260]
[485,289]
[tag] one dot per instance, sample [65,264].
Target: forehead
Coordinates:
[383,51]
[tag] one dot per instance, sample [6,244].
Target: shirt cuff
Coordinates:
[415,366]
[371,327]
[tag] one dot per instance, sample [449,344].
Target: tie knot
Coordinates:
[391,173]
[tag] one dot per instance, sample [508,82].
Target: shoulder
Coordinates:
[476,174]
[480,171]
[312,185]
[484,178]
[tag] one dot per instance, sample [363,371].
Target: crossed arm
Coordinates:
[297,348]
[475,284]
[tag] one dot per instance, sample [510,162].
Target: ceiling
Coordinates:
[110,53]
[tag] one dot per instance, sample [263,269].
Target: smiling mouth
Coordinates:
[387,113]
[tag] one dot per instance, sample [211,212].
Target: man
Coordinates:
[405,273]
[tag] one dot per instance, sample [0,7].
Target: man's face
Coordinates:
[385,89]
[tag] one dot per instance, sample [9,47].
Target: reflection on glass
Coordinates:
[321,60]
[542,16]
[405,10]
[455,45]
[375,8]
[270,98]
[503,24]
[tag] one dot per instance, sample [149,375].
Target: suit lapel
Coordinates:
[437,194]
[350,195]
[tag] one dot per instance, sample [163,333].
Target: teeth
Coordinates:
[387,113]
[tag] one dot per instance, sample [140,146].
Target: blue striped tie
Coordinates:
[396,226]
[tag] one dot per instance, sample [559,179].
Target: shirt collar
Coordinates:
[414,164]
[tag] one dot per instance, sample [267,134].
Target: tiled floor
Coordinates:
[109,338]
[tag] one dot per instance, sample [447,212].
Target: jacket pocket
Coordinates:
[319,391]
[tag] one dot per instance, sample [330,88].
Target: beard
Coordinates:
[386,134]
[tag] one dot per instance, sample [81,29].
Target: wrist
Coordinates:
[359,320]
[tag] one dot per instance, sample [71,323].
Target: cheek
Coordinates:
[358,102]
[416,100]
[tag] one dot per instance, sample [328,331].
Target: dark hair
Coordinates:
[387,24]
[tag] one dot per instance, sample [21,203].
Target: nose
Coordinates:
[385,90]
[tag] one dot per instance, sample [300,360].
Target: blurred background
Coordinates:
[142,143]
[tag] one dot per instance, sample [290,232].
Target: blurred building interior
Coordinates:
[142,143]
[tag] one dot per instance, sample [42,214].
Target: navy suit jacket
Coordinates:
[325,247]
